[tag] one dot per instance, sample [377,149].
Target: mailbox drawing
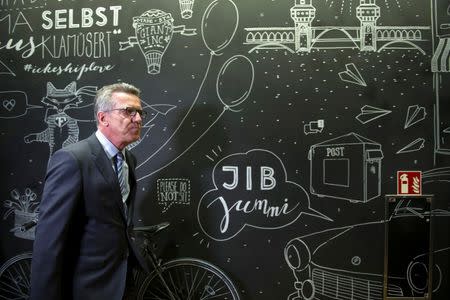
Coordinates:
[347,167]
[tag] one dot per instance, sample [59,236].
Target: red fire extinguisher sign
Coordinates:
[409,183]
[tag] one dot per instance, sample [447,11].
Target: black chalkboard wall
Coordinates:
[276,129]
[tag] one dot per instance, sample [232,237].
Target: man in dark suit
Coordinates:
[83,247]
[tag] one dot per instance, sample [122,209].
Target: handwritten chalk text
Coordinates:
[68,69]
[68,18]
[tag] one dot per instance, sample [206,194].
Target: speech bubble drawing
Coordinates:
[251,189]
[14,104]
[172,191]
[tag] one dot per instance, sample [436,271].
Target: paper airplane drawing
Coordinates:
[415,115]
[415,145]
[370,113]
[153,111]
[352,75]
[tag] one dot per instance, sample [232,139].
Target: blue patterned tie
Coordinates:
[121,178]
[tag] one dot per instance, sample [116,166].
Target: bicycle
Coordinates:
[182,278]
[177,279]
[15,272]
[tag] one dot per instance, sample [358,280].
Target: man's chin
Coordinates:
[136,137]
[135,134]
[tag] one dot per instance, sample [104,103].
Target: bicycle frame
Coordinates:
[157,267]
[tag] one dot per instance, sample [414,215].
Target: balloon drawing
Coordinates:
[154,30]
[235,80]
[219,24]
[186,8]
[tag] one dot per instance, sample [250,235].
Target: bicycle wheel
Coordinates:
[15,277]
[188,278]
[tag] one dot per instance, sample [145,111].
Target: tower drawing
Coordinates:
[365,36]
[368,13]
[303,13]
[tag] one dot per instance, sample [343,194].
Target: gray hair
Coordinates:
[104,101]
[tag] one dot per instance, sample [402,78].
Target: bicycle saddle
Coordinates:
[151,229]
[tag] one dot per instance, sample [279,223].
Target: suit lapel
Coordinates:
[104,165]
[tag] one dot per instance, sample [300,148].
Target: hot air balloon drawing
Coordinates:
[186,8]
[154,30]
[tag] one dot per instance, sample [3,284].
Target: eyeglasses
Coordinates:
[131,112]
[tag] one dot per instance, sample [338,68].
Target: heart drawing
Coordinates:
[9,104]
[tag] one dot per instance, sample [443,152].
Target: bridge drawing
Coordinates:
[303,37]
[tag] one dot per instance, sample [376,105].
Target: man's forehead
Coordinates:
[121,97]
[122,94]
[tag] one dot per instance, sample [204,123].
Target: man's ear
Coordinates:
[102,118]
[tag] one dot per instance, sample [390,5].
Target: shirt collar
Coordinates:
[109,147]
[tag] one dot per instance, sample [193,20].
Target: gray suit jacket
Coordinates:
[83,238]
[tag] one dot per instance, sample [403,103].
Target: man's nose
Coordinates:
[137,118]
